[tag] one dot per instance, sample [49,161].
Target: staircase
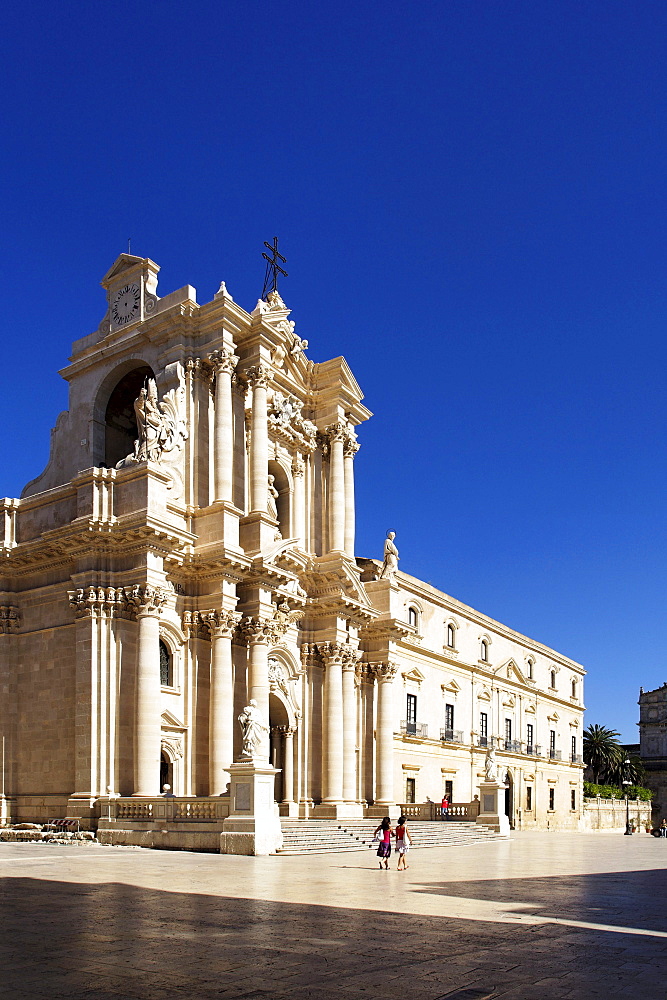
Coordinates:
[321,836]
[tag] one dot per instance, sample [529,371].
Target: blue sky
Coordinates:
[471,198]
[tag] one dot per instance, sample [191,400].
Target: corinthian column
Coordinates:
[385,673]
[221,699]
[224,363]
[350,657]
[350,449]
[147,734]
[259,442]
[336,434]
[332,757]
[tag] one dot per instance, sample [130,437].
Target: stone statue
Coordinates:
[254,730]
[390,564]
[272,501]
[160,426]
[490,766]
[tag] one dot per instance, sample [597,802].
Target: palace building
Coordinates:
[191,546]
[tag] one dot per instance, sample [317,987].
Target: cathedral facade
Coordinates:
[190,547]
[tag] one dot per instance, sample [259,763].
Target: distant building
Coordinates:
[653,744]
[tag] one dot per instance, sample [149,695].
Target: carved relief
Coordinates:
[9,619]
[161,428]
[172,745]
[287,423]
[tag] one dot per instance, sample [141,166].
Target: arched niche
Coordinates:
[115,406]
[282,484]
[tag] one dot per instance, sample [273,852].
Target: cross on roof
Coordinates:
[273,268]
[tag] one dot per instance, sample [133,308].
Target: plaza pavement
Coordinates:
[543,915]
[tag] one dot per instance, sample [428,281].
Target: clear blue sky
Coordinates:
[471,197]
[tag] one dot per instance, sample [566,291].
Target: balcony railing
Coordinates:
[414,728]
[554,754]
[451,735]
[513,745]
[575,758]
[483,741]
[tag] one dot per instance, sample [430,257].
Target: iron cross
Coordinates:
[273,268]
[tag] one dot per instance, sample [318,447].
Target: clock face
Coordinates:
[126,304]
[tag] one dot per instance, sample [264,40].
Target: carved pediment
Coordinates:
[169,721]
[413,676]
[451,685]
[484,694]
[512,671]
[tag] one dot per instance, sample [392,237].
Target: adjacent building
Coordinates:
[191,545]
[653,746]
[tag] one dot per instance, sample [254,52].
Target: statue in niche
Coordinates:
[253,729]
[160,427]
[490,769]
[272,499]
[390,564]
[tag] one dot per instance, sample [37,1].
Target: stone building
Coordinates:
[191,545]
[653,745]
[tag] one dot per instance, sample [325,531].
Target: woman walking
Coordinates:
[384,847]
[403,842]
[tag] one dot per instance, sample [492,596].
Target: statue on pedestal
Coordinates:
[390,564]
[490,766]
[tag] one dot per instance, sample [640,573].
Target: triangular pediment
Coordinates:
[126,262]
[169,721]
[512,671]
[413,676]
[451,685]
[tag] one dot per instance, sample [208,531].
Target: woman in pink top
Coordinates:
[403,842]
[384,848]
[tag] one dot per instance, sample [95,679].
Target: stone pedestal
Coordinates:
[253,825]
[492,807]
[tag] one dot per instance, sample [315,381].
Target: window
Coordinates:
[166,666]
[449,716]
[484,651]
[573,799]
[530,740]
[553,679]
[483,729]
[411,714]
[410,789]
[552,743]
[552,799]
[413,617]
[530,670]
[574,689]
[529,798]
[574,747]
[449,791]
[508,730]
[451,636]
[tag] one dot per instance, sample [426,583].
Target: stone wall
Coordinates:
[610,814]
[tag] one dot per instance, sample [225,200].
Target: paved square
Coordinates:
[540,916]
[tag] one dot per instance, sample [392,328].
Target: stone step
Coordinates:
[316,836]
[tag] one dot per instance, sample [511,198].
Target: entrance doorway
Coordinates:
[166,772]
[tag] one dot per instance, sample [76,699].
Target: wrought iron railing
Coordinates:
[514,746]
[414,728]
[451,735]
[554,754]
[483,741]
[575,758]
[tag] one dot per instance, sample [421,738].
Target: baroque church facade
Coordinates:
[190,546]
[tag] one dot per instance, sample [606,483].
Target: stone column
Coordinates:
[385,673]
[332,743]
[350,448]
[288,764]
[259,442]
[221,699]
[147,733]
[350,658]
[336,435]
[299,525]
[224,363]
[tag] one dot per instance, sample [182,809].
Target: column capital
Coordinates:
[148,602]
[116,602]
[336,431]
[350,444]
[199,369]
[221,624]
[258,376]
[298,466]
[9,619]
[339,652]
[270,630]
[223,361]
[385,671]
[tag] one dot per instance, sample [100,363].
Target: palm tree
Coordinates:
[602,751]
[629,767]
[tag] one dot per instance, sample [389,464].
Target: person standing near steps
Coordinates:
[403,842]
[384,848]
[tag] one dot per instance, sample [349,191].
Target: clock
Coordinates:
[126,304]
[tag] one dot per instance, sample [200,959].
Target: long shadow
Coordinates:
[116,941]
[622,899]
